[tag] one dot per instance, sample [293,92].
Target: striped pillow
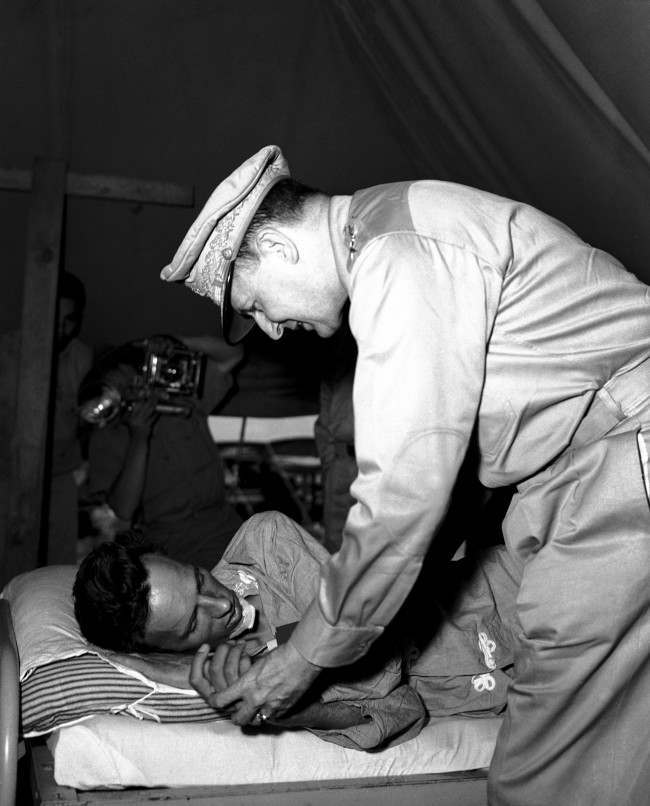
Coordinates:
[73,689]
[62,681]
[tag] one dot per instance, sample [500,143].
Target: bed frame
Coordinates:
[467,788]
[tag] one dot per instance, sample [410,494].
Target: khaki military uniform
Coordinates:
[469,309]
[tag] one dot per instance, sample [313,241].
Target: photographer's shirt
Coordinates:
[183,504]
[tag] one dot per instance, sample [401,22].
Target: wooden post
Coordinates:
[28,450]
[49,184]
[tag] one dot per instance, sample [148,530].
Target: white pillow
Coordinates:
[45,625]
[65,679]
[43,617]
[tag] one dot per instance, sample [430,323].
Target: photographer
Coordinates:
[153,464]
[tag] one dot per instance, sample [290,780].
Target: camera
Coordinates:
[175,370]
[162,365]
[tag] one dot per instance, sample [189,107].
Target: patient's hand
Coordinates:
[271,685]
[173,668]
[170,668]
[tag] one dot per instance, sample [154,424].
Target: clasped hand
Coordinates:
[231,679]
[244,686]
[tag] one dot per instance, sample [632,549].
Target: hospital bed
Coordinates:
[113,758]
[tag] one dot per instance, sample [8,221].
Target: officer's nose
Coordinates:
[217,606]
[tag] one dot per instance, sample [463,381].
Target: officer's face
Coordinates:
[279,296]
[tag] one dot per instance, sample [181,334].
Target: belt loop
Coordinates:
[620,398]
[630,389]
[599,419]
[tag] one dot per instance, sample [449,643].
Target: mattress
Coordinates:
[118,751]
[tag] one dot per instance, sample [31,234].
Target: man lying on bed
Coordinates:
[441,659]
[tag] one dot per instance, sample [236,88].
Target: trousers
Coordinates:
[577,725]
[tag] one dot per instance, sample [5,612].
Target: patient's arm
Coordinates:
[365,719]
[173,669]
[170,668]
[322,716]
[381,722]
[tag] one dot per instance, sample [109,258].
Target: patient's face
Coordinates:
[187,606]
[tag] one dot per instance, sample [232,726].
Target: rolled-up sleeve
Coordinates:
[383,722]
[419,316]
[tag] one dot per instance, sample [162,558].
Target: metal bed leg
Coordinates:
[9,707]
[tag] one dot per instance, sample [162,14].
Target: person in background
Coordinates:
[334,435]
[73,360]
[156,471]
[475,512]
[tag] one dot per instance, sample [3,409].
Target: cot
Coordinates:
[412,773]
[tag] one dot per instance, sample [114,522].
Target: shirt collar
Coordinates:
[337,218]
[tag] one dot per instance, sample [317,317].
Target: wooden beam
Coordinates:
[101,186]
[133,190]
[28,451]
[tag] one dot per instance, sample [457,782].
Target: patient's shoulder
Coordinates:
[271,540]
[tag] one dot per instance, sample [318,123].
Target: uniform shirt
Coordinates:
[184,470]
[449,657]
[183,504]
[464,305]
[184,474]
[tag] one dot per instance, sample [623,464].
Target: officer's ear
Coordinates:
[274,243]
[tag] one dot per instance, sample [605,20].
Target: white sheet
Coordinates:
[117,751]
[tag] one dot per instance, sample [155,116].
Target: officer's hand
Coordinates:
[269,686]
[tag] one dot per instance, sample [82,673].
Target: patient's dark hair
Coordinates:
[111,594]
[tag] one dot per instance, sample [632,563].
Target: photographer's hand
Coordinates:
[141,417]
[161,344]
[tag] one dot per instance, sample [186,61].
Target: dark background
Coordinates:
[543,101]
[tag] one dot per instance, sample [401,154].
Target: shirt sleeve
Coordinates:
[383,722]
[281,554]
[418,314]
[106,454]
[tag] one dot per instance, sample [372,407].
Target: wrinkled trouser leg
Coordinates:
[577,728]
